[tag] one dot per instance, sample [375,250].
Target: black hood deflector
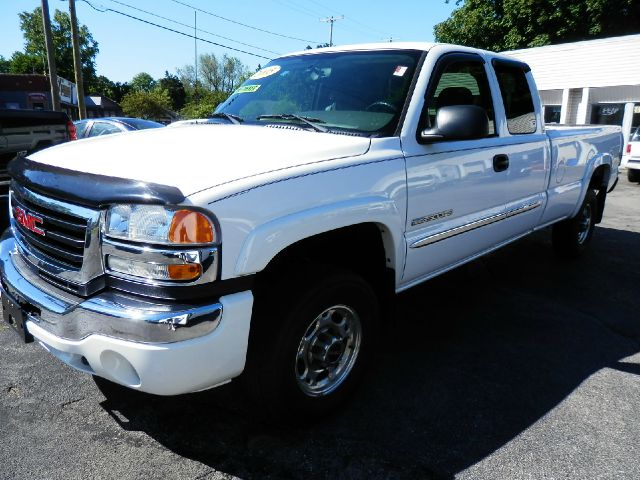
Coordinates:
[89,189]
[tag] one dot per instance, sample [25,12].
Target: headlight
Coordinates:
[158,224]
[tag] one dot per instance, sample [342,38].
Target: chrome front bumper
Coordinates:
[111,314]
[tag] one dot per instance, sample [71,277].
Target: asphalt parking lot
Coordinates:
[515,366]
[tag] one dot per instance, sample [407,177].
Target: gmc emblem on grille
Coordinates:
[28,220]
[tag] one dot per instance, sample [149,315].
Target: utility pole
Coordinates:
[77,61]
[53,76]
[195,48]
[331,20]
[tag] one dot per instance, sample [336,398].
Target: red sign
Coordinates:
[28,220]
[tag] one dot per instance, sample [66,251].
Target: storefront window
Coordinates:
[607,114]
[552,113]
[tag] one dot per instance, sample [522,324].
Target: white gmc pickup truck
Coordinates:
[265,246]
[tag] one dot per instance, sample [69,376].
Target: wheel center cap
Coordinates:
[328,351]
[334,351]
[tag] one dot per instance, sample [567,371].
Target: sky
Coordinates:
[128,46]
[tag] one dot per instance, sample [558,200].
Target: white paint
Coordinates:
[164,369]
[270,188]
[197,157]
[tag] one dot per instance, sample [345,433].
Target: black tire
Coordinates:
[280,352]
[633,175]
[571,237]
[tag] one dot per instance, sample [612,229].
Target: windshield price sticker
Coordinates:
[247,89]
[265,72]
[400,70]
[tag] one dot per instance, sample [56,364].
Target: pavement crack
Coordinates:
[71,402]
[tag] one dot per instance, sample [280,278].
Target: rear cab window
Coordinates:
[516,96]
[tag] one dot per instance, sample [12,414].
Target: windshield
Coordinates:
[363,92]
[140,124]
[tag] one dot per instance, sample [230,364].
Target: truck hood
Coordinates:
[197,157]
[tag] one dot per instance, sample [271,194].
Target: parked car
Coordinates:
[267,244]
[631,157]
[192,121]
[96,127]
[27,131]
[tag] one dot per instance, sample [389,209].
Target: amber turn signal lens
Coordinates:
[187,271]
[190,227]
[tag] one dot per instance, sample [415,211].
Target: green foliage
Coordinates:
[511,24]
[143,82]
[26,63]
[204,105]
[35,54]
[101,85]
[5,65]
[217,79]
[214,74]
[148,105]
[175,89]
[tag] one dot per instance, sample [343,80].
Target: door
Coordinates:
[528,148]
[455,188]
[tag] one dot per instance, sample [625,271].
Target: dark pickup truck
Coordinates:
[26,131]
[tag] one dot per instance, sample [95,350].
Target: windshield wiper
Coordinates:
[312,122]
[235,119]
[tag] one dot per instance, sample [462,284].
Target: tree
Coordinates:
[25,63]
[143,82]
[204,106]
[217,79]
[511,24]
[214,74]
[175,89]
[5,65]
[142,104]
[35,54]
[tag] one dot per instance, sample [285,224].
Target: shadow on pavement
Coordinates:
[469,361]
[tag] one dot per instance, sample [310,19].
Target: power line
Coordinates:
[305,10]
[331,20]
[243,24]
[366,26]
[190,26]
[299,8]
[174,31]
[380,32]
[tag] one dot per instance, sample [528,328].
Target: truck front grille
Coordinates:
[64,235]
[59,239]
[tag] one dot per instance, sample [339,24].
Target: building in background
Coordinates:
[33,92]
[595,81]
[99,106]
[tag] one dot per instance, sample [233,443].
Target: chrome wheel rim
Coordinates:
[328,350]
[585,224]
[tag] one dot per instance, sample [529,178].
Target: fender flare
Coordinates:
[601,159]
[267,240]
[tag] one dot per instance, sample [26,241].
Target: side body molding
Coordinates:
[267,240]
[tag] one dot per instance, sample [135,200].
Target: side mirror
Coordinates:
[457,122]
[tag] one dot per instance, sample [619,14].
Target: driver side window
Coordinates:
[460,82]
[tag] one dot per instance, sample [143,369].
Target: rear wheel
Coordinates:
[633,175]
[313,338]
[571,237]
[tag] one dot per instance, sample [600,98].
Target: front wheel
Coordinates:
[633,175]
[571,237]
[313,339]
